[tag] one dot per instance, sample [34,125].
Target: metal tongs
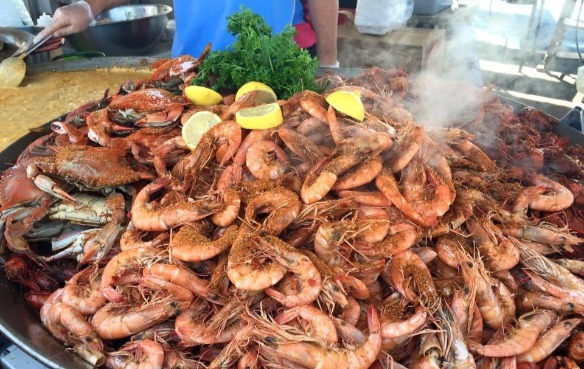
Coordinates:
[13,69]
[29,47]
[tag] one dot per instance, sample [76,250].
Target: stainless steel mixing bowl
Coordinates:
[124,30]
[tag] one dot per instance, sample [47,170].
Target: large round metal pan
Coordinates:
[20,323]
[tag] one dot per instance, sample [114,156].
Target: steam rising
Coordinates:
[441,90]
[447,92]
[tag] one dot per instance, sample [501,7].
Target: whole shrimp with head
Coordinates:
[310,354]
[152,216]
[308,276]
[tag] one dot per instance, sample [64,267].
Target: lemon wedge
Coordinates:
[264,94]
[260,117]
[348,103]
[196,126]
[200,95]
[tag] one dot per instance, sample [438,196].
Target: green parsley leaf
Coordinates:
[259,55]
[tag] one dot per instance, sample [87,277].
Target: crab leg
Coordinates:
[99,246]
[15,229]
[47,184]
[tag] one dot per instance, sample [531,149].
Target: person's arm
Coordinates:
[98,6]
[324,15]
[76,17]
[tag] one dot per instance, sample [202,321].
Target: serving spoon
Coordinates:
[13,69]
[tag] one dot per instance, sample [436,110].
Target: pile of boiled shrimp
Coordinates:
[325,242]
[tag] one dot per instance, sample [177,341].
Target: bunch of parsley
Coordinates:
[259,55]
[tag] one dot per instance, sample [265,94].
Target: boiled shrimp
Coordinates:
[115,321]
[321,178]
[387,184]
[266,160]
[360,175]
[282,205]
[227,133]
[475,154]
[430,352]
[246,100]
[332,290]
[406,327]
[314,104]
[449,249]
[318,324]
[329,239]
[312,355]
[351,312]
[407,145]
[367,198]
[143,354]
[521,203]
[460,307]
[160,286]
[228,216]
[244,267]
[561,199]
[192,326]
[576,350]
[522,338]
[309,279]
[190,244]
[354,286]
[458,356]
[498,255]
[441,197]
[304,148]
[506,301]
[487,302]
[70,327]
[252,137]
[83,293]
[406,266]
[374,223]
[531,300]
[125,263]
[150,216]
[184,277]
[547,235]
[548,269]
[132,238]
[574,266]
[549,341]
[576,298]
[392,244]
[238,350]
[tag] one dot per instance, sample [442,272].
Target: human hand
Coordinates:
[69,19]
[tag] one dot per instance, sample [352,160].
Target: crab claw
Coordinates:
[48,185]
[99,246]
[162,118]
[62,128]
[14,234]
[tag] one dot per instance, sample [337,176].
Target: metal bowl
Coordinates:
[124,30]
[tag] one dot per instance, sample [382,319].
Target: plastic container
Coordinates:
[580,80]
[14,14]
[429,7]
[377,17]
[43,20]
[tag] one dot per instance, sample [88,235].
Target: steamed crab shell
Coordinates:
[91,168]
